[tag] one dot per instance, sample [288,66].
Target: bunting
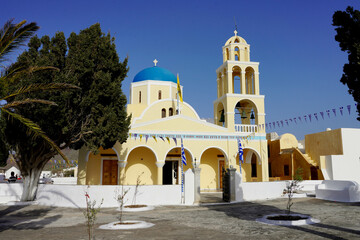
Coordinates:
[309,117]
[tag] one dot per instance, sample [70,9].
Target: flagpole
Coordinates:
[182,182]
[178,97]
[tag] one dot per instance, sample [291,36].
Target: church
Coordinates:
[161,124]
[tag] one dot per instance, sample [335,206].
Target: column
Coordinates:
[121,165]
[222,92]
[229,82]
[257,86]
[196,171]
[232,184]
[160,172]
[243,86]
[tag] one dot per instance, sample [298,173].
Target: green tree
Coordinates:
[93,117]
[348,35]
[13,36]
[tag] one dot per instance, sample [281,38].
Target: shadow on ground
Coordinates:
[250,211]
[19,217]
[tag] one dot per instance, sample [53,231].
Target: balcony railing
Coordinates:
[244,128]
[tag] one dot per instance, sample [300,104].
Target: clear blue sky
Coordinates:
[300,62]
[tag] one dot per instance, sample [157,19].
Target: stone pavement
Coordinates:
[217,221]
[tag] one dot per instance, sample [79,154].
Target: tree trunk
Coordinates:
[30,184]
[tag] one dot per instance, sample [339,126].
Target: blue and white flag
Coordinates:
[183,158]
[241,153]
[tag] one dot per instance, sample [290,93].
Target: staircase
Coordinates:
[307,158]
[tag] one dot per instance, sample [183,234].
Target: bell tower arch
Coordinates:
[239,105]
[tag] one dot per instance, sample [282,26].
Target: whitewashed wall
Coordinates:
[349,168]
[74,195]
[65,180]
[250,191]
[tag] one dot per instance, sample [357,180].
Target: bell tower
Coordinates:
[239,105]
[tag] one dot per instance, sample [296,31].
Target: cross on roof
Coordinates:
[235,32]
[155,62]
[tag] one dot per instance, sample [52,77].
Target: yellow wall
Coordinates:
[324,143]
[209,164]
[141,162]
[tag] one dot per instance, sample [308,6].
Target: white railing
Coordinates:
[244,128]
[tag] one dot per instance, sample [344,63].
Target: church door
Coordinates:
[171,172]
[110,172]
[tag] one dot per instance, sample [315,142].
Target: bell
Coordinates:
[222,117]
[243,114]
[252,116]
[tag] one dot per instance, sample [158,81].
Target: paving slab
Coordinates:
[211,221]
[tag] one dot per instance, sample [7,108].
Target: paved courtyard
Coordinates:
[225,221]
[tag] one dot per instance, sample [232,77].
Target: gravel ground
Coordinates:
[214,221]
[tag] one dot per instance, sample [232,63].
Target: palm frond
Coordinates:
[23,71]
[35,131]
[14,35]
[28,101]
[40,87]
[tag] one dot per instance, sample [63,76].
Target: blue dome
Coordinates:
[155,73]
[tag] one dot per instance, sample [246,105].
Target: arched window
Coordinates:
[163,113]
[139,96]
[159,95]
[237,54]
[171,112]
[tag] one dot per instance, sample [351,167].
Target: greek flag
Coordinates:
[183,158]
[241,153]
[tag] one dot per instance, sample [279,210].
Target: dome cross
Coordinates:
[155,62]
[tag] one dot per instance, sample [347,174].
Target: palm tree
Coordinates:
[13,36]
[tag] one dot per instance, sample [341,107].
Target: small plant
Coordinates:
[90,214]
[138,183]
[292,188]
[120,198]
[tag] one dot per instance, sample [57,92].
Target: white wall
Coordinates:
[348,168]
[249,191]
[74,195]
[189,191]
[65,180]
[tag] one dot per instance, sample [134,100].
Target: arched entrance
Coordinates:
[172,167]
[212,161]
[251,169]
[141,166]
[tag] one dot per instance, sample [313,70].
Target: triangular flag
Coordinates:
[322,115]
[341,110]
[309,117]
[168,139]
[140,137]
[328,113]
[334,111]
[349,108]
[175,141]
[154,138]
[146,138]
[162,138]
[316,116]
